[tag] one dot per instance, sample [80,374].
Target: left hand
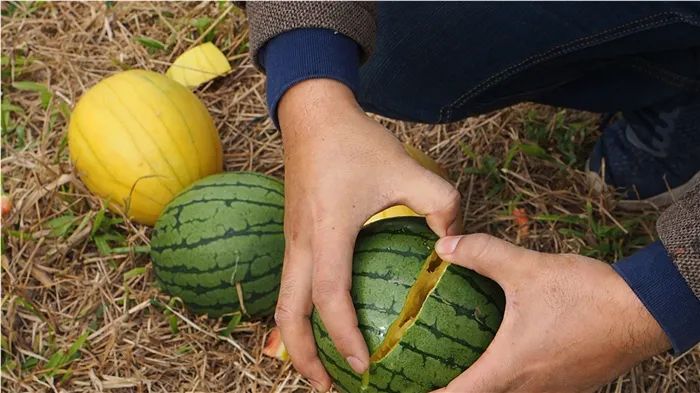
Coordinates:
[571,323]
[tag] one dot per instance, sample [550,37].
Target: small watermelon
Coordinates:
[424,320]
[219,244]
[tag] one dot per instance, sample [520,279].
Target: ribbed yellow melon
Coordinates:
[137,138]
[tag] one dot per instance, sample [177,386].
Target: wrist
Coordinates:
[656,281]
[646,337]
[315,104]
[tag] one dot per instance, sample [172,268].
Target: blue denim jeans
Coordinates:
[440,62]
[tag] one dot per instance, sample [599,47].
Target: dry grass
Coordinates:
[58,288]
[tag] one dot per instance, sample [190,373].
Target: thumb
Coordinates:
[487,374]
[433,197]
[487,255]
[491,373]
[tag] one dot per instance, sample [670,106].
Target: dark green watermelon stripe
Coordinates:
[188,268]
[386,277]
[216,308]
[370,329]
[462,273]
[196,291]
[392,251]
[259,176]
[227,202]
[183,245]
[372,307]
[238,184]
[401,374]
[462,311]
[201,290]
[175,210]
[446,362]
[403,232]
[439,334]
[253,296]
[180,221]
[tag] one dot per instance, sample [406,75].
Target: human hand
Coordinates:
[341,167]
[571,323]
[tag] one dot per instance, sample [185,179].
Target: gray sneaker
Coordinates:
[651,155]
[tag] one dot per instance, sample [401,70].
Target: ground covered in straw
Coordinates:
[80,312]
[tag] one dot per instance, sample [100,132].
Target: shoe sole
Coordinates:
[597,184]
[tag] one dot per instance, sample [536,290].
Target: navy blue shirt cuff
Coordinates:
[302,54]
[653,276]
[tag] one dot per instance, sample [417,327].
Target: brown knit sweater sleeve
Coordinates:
[679,230]
[270,18]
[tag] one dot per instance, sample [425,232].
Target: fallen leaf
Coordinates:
[198,65]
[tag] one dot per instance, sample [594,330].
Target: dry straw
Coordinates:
[75,319]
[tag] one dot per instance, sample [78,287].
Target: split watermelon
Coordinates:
[424,320]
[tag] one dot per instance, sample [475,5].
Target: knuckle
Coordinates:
[450,201]
[319,211]
[288,287]
[481,244]
[303,361]
[283,314]
[387,196]
[453,197]
[324,291]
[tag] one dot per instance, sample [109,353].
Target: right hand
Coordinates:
[341,167]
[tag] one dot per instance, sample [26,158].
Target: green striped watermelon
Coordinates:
[425,321]
[220,238]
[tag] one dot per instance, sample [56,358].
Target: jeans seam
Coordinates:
[665,75]
[660,19]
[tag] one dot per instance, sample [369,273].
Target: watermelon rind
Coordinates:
[220,238]
[455,324]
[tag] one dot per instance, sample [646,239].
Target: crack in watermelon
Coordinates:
[426,281]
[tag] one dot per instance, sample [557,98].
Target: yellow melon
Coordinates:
[137,138]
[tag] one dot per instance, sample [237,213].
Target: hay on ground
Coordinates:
[59,290]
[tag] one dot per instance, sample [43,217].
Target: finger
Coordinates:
[332,279]
[493,372]
[432,196]
[292,316]
[496,370]
[485,375]
[487,255]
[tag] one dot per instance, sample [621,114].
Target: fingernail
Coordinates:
[358,365]
[447,245]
